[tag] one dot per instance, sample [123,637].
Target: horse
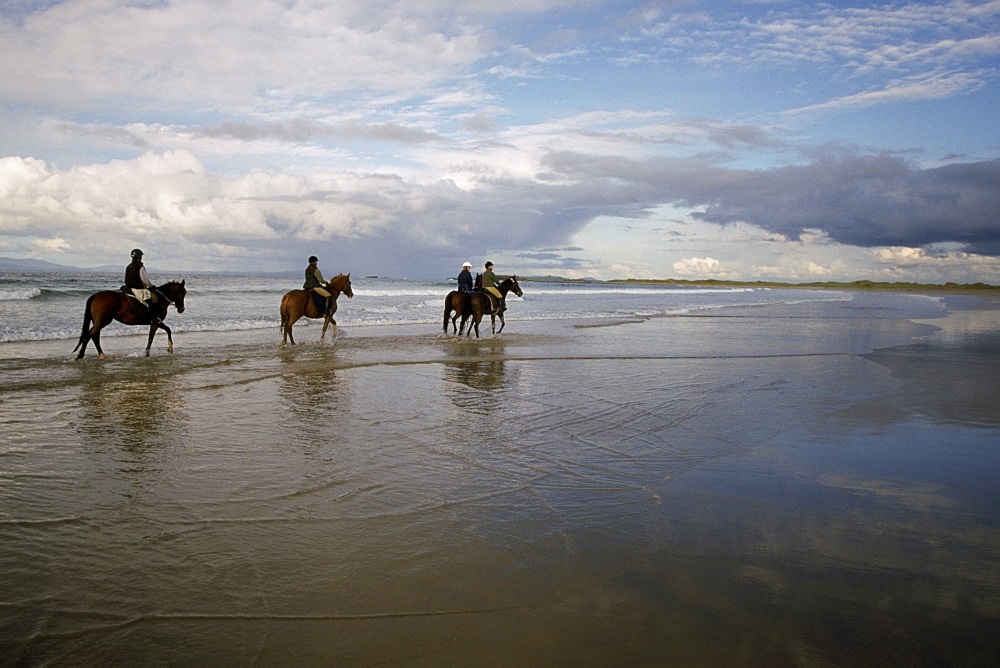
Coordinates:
[109,305]
[300,303]
[482,303]
[458,302]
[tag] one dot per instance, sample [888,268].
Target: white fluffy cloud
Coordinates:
[698,266]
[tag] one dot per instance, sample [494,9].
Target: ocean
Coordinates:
[628,475]
[47,306]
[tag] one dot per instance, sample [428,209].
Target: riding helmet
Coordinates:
[313,258]
[136,253]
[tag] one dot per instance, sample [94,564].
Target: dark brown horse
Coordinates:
[458,302]
[481,303]
[301,303]
[109,305]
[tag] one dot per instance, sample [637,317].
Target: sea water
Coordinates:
[46,306]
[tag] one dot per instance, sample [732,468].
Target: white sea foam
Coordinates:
[20,294]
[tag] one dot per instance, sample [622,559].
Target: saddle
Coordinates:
[319,301]
[495,303]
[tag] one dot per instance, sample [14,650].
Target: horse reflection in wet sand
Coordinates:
[106,306]
[301,303]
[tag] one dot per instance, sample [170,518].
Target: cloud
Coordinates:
[863,200]
[305,130]
[228,54]
[906,37]
[925,86]
[817,269]
[698,266]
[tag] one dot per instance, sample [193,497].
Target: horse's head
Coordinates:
[511,284]
[341,283]
[174,292]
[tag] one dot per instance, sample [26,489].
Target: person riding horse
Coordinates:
[465,284]
[315,283]
[137,281]
[490,287]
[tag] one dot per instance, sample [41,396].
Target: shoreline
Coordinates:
[865,286]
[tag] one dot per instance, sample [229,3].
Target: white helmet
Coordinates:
[468,264]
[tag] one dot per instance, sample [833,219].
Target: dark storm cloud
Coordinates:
[872,201]
[868,201]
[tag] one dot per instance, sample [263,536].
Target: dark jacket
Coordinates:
[132,277]
[465,281]
[314,278]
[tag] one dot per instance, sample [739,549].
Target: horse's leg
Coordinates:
[100,322]
[326,323]
[170,339]
[502,323]
[288,330]
[153,326]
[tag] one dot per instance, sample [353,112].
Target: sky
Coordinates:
[751,140]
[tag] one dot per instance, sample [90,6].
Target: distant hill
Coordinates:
[13,264]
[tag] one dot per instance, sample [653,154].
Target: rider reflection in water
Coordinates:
[137,281]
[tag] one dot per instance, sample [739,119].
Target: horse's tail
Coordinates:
[87,322]
[447,311]
[284,313]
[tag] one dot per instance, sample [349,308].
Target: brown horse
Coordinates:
[109,305]
[300,303]
[459,303]
[455,302]
[482,303]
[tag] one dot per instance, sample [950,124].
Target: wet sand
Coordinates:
[741,490]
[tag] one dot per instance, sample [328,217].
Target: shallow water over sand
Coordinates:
[753,488]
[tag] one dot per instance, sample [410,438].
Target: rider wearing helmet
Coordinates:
[491,285]
[137,281]
[316,283]
[465,278]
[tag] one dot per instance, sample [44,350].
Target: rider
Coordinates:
[465,279]
[316,282]
[465,284]
[490,285]
[137,281]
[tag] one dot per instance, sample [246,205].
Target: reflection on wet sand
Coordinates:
[478,379]
[134,411]
[309,387]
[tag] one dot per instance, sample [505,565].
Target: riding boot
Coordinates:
[329,305]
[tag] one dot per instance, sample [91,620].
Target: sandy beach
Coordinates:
[744,488]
